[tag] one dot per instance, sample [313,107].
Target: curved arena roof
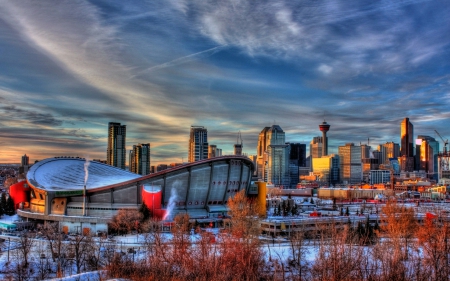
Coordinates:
[68,173]
[61,173]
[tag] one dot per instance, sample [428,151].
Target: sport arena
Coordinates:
[83,195]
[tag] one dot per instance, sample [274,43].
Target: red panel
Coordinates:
[152,197]
[19,193]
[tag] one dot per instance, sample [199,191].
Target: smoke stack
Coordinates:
[84,201]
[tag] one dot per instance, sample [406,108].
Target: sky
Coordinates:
[67,68]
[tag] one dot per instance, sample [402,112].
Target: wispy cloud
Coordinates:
[68,68]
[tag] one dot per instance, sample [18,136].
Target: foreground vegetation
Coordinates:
[397,249]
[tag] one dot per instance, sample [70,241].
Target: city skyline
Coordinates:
[67,70]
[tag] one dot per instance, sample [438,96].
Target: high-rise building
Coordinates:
[326,168]
[273,157]
[116,152]
[315,150]
[297,159]
[297,154]
[379,176]
[198,144]
[389,150]
[366,151]
[24,164]
[315,147]
[261,154]
[140,161]
[369,164]
[407,146]
[277,168]
[324,128]
[427,151]
[238,145]
[212,151]
[25,161]
[350,163]
[130,160]
[161,167]
[407,138]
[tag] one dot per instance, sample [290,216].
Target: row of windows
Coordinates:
[190,203]
[103,209]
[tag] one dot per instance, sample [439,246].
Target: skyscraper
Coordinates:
[297,154]
[212,151]
[198,144]
[277,168]
[261,154]
[427,150]
[407,138]
[297,158]
[25,161]
[388,150]
[315,147]
[140,162]
[350,163]
[116,152]
[326,168]
[238,145]
[273,156]
[315,150]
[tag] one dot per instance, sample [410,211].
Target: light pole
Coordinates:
[9,246]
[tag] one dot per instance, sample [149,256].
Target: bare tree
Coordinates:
[42,264]
[57,246]
[400,225]
[434,241]
[337,259]
[298,253]
[125,221]
[24,247]
[78,249]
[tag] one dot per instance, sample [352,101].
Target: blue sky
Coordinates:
[67,68]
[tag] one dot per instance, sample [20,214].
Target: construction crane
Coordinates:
[444,141]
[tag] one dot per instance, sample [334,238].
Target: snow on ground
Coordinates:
[10,219]
[87,276]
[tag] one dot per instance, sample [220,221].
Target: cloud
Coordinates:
[158,67]
[36,118]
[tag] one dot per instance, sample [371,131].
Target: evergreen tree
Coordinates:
[10,210]
[341,212]
[360,233]
[145,211]
[376,226]
[284,207]
[295,210]
[3,203]
[347,212]
[311,200]
[370,234]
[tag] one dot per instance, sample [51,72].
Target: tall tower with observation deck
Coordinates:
[324,127]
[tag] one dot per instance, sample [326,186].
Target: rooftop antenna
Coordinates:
[239,138]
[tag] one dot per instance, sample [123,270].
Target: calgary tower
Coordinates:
[324,127]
